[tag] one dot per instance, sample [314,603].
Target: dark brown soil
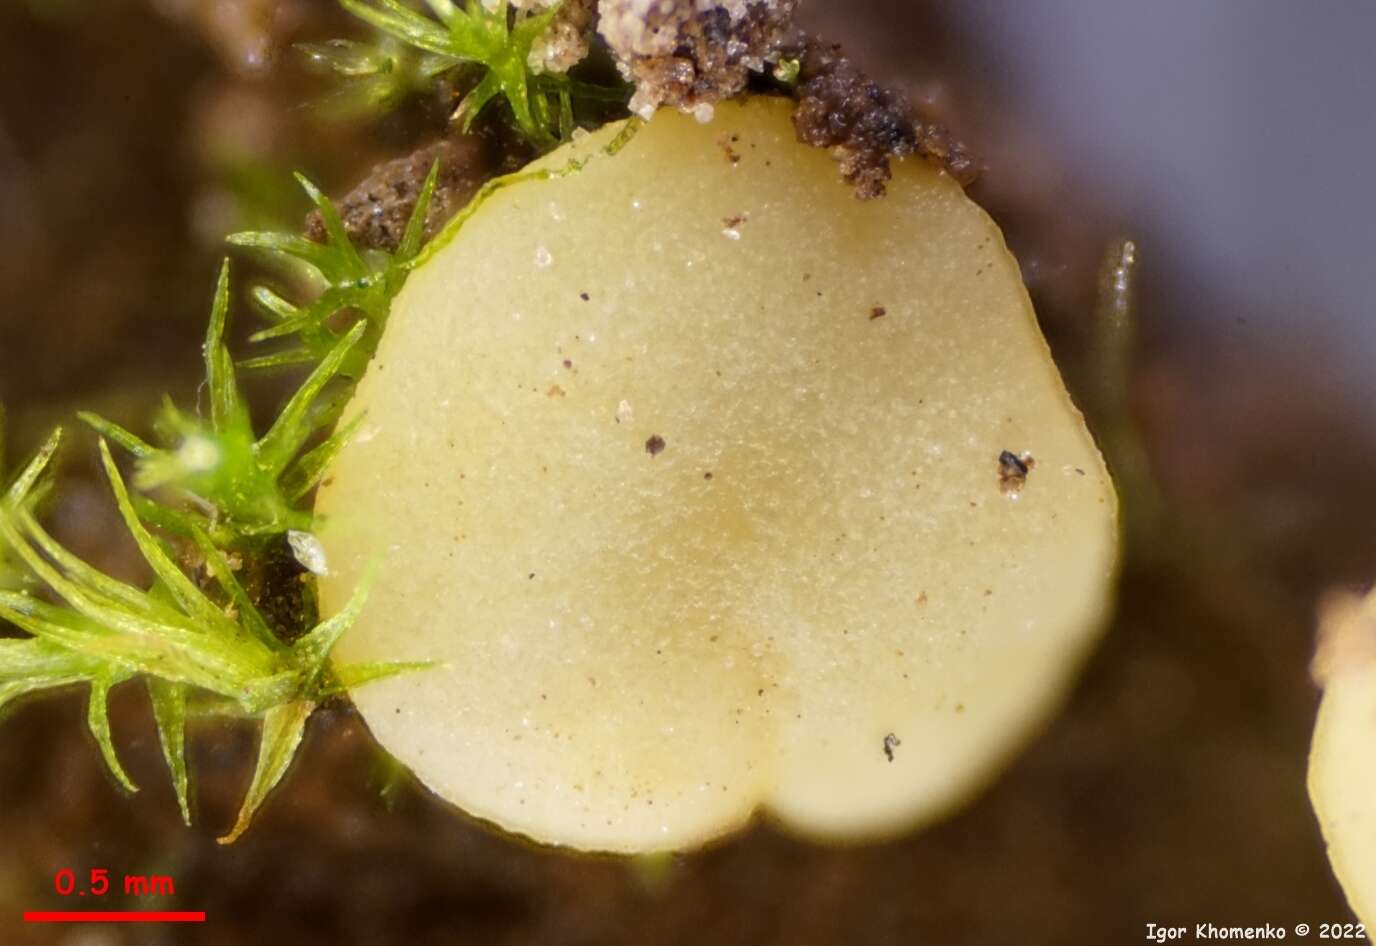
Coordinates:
[865,124]
[708,57]
[375,213]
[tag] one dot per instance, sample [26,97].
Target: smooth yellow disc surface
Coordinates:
[687,464]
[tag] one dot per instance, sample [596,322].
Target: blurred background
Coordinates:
[1230,139]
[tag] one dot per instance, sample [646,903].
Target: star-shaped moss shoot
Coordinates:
[718,492]
[494,39]
[1342,761]
[235,484]
[196,650]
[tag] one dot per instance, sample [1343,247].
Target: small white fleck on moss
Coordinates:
[308,552]
[199,454]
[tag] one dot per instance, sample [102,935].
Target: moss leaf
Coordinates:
[283,728]
[169,711]
[98,720]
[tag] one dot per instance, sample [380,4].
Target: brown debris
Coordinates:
[1013,470]
[866,125]
[725,142]
[279,586]
[689,55]
[878,312]
[564,42]
[376,211]
[680,55]
[655,445]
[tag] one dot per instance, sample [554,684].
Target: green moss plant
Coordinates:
[492,42]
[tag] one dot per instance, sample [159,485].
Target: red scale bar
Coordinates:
[114,916]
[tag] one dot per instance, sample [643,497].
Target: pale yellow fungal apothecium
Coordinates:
[717,491]
[1342,760]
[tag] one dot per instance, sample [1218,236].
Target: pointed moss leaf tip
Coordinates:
[226,405]
[415,225]
[169,713]
[283,728]
[312,651]
[98,720]
[23,484]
